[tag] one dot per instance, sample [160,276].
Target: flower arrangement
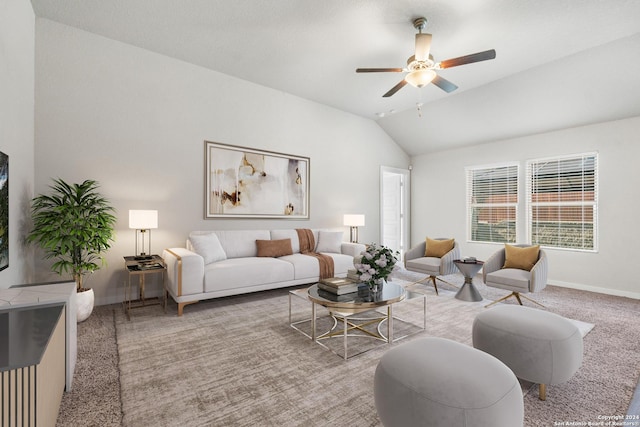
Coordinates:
[375,264]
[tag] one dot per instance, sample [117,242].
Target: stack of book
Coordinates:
[338,286]
[353,275]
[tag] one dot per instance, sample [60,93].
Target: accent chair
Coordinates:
[433,261]
[520,269]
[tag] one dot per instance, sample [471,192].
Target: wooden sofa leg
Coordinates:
[433,279]
[542,392]
[181,306]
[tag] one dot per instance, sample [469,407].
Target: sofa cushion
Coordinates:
[241,243]
[522,258]
[287,234]
[244,272]
[510,278]
[208,247]
[307,267]
[341,264]
[329,241]
[304,266]
[438,248]
[427,265]
[274,248]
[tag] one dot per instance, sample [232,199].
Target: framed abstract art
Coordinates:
[245,182]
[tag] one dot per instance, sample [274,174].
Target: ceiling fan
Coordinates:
[421,66]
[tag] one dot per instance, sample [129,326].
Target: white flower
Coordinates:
[375,264]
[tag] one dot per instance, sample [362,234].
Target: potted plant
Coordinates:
[74,225]
[374,265]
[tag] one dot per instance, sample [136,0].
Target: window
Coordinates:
[492,203]
[562,201]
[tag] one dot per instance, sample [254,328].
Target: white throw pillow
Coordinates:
[208,247]
[287,234]
[329,241]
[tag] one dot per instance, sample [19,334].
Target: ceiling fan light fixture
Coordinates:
[420,78]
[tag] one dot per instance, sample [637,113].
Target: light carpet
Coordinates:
[236,362]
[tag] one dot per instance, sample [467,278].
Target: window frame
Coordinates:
[531,205]
[470,205]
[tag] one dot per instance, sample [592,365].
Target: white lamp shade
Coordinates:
[143,219]
[354,220]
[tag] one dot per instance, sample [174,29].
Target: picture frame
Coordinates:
[4,211]
[242,182]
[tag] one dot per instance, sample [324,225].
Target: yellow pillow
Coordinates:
[522,258]
[438,248]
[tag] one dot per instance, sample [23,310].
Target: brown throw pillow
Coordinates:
[274,248]
[438,248]
[521,258]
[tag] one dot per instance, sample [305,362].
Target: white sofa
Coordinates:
[221,263]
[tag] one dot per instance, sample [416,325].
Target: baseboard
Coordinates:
[597,289]
[117,299]
[582,287]
[108,300]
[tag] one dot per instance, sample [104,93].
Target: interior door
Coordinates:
[394,208]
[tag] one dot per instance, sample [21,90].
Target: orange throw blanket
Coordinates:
[307,244]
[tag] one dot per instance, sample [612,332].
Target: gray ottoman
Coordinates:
[538,346]
[439,382]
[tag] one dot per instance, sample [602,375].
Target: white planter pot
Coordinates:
[84,304]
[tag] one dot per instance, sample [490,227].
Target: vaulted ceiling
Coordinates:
[559,64]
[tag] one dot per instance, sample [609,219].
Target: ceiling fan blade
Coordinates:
[468,59]
[444,84]
[423,45]
[379,70]
[395,89]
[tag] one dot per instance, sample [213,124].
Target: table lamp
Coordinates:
[143,221]
[354,221]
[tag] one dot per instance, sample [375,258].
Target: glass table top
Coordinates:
[363,299]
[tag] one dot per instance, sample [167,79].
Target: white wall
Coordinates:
[136,122]
[439,209]
[17,23]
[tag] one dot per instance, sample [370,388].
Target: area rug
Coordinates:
[469,310]
[414,281]
[235,361]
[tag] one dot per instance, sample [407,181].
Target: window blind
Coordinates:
[562,201]
[492,203]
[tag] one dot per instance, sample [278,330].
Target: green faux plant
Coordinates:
[73,225]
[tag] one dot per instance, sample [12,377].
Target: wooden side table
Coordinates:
[141,267]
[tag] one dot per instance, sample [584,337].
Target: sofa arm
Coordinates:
[353,249]
[185,271]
